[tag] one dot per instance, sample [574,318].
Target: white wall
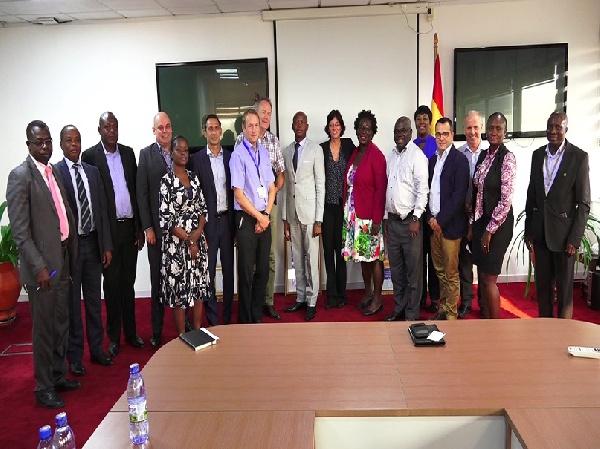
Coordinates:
[71,73]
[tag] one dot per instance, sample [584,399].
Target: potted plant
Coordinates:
[10,285]
[585,254]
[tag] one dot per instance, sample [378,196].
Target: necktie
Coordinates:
[86,216]
[295,158]
[62,217]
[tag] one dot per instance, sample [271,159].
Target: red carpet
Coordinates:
[102,386]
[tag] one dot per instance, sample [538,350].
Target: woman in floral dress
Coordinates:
[182,213]
[365,184]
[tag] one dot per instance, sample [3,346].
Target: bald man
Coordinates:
[155,160]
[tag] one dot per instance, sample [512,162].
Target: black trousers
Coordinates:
[119,278]
[253,268]
[431,283]
[335,265]
[157,311]
[554,268]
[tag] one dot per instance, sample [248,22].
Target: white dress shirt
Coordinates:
[218,170]
[473,156]
[434,196]
[87,193]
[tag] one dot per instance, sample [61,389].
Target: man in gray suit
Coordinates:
[557,209]
[45,233]
[85,191]
[302,212]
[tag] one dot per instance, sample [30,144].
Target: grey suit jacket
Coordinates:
[558,218]
[151,168]
[304,189]
[98,201]
[35,224]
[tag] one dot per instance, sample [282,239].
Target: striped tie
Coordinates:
[86,216]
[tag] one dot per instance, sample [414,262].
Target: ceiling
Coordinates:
[55,12]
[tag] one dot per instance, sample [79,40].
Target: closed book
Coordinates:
[199,338]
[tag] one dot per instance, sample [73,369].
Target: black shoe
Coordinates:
[341,302]
[434,307]
[49,399]
[368,312]
[101,358]
[271,312]
[77,369]
[156,340]
[113,348]
[330,304]
[395,316]
[366,302]
[68,385]
[296,306]
[463,310]
[311,312]
[438,317]
[135,341]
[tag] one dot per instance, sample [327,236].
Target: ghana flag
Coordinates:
[437,99]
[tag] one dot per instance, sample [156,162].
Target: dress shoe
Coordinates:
[68,385]
[271,312]
[341,302]
[311,312]
[101,358]
[49,399]
[296,306]
[366,302]
[113,348]
[395,316]
[135,341]
[434,307]
[77,369]
[463,310]
[369,312]
[156,340]
[330,304]
[438,317]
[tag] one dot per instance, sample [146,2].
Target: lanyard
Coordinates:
[256,164]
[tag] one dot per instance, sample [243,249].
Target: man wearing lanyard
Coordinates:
[254,192]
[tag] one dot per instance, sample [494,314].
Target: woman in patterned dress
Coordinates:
[365,184]
[184,265]
[491,222]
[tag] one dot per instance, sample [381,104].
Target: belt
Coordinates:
[123,220]
[85,236]
[220,214]
[398,217]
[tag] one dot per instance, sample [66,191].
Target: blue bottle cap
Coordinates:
[134,368]
[45,432]
[61,419]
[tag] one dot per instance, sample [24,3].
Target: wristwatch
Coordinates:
[318,223]
[264,212]
[415,218]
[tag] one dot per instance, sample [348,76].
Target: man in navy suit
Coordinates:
[211,164]
[446,216]
[87,199]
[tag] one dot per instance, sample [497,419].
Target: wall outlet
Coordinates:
[430,14]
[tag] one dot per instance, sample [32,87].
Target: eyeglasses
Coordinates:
[444,134]
[40,143]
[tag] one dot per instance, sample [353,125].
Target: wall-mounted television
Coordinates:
[187,91]
[526,83]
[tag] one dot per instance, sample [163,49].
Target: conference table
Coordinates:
[263,386]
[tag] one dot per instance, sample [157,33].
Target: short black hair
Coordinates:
[207,117]
[338,115]
[176,139]
[423,110]
[501,116]
[64,130]
[443,120]
[34,124]
[366,115]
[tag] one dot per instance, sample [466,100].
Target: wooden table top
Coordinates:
[265,372]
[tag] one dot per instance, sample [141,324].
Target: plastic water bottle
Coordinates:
[64,438]
[138,413]
[46,438]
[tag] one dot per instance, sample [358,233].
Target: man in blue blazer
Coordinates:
[211,164]
[87,199]
[446,216]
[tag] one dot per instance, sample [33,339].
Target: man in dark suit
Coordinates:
[557,209]
[211,164]
[87,199]
[446,216]
[155,160]
[117,167]
[46,235]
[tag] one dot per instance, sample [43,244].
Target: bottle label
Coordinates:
[138,412]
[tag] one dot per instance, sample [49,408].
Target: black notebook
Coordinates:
[419,333]
[199,338]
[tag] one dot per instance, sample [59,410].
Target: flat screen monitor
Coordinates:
[188,91]
[525,83]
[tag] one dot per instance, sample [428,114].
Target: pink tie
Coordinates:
[64,224]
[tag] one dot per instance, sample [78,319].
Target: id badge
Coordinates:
[262,192]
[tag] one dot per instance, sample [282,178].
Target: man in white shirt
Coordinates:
[473,124]
[405,203]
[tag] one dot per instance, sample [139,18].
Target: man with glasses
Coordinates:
[117,166]
[211,164]
[45,232]
[448,184]
[405,203]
